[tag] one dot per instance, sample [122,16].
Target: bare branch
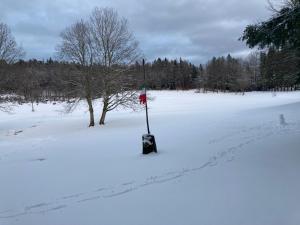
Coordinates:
[9,50]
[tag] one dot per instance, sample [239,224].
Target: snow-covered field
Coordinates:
[224,159]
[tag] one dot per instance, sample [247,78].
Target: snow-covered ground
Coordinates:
[224,159]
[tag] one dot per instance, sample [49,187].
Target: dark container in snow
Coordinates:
[149,144]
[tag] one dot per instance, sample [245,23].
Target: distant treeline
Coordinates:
[260,71]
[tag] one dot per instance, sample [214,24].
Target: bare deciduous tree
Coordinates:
[77,47]
[9,50]
[115,46]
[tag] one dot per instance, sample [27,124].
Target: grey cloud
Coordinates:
[192,29]
[212,27]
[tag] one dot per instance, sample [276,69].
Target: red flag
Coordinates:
[143,97]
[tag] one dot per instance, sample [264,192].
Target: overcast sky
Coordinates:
[192,29]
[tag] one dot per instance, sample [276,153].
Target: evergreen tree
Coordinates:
[281,32]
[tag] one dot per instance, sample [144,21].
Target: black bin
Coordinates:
[149,144]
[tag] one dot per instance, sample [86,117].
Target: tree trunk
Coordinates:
[104,111]
[88,97]
[32,107]
[102,119]
[91,110]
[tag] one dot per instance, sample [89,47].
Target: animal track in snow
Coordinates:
[227,155]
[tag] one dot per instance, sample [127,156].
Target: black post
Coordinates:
[149,144]
[147,119]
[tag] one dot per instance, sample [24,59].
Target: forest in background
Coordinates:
[260,71]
